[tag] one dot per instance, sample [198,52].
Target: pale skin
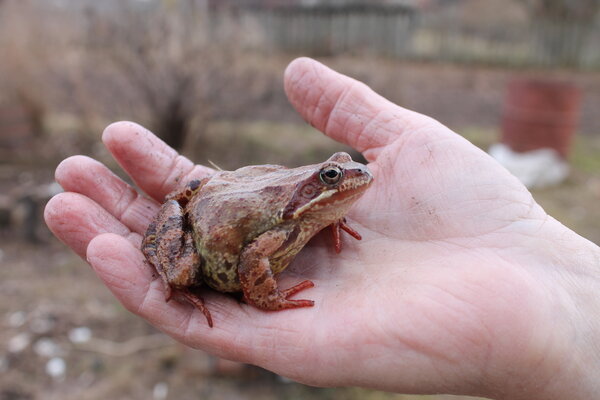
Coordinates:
[462,283]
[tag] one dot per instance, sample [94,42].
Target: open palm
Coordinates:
[444,293]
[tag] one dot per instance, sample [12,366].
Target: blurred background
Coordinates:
[520,78]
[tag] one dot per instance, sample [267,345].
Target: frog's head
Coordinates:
[329,189]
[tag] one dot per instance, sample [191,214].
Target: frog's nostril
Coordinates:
[364,171]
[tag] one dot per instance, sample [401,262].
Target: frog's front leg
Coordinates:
[170,249]
[335,229]
[256,276]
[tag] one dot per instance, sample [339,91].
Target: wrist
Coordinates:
[581,282]
[568,358]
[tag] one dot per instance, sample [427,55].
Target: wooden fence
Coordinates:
[403,32]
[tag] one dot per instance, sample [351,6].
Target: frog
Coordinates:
[235,231]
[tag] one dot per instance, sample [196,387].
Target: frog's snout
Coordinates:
[357,178]
[363,171]
[368,175]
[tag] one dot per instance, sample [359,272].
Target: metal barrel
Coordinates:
[540,114]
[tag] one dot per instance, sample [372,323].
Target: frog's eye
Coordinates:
[330,175]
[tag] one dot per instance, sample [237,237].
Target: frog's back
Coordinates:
[232,209]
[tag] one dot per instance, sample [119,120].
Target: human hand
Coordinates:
[462,283]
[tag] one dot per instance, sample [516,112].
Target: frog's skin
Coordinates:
[236,229]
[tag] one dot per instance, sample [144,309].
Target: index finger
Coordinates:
[153,165]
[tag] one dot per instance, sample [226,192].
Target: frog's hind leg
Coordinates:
[169,247]
[183,196]
[149,246]
[257,280]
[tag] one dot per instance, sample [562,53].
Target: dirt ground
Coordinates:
[63,336]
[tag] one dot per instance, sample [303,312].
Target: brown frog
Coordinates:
[236,229]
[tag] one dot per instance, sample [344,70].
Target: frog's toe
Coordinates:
[287,293]
[285,301]
[296,304]
[198,302]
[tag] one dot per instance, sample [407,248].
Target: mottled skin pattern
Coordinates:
[235,230]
